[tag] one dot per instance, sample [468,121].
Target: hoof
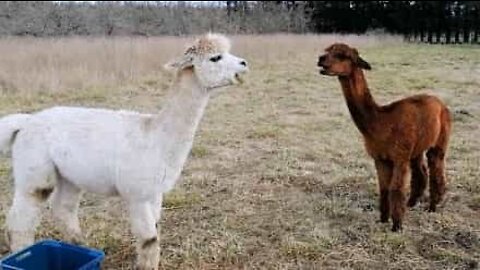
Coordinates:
[4,248]
[77,239]
[412,202]
[139,267]
[382,220]
[397,227]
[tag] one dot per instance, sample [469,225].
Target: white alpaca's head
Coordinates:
[211,62]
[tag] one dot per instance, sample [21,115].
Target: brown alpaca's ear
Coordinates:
[363,64]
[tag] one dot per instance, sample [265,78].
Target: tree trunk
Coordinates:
[448,31]
[466,30]
[422,34]
[430,35]
[476,31]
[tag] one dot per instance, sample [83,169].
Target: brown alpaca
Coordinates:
[396,135]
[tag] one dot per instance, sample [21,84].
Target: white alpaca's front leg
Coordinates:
[65,204]
[142,220]
[157,209]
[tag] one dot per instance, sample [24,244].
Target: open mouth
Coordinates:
[321,69]
[238,78]
[324,71]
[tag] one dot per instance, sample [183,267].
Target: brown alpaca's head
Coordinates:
[340,60]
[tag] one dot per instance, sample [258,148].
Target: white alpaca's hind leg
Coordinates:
[22,219]
[142,220]
[35,179]
[65,203]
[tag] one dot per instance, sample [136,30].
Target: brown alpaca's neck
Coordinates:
[360,102]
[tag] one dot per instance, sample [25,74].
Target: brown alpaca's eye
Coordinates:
[216,58]
[341,56]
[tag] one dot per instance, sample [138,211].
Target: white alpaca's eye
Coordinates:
[216,58]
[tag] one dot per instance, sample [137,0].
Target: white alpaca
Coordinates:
[135,156]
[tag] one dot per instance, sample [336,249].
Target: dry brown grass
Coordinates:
[278,177]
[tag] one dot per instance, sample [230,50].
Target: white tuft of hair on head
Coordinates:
[220,42]
[208,44]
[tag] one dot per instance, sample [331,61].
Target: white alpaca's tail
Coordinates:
[9,126]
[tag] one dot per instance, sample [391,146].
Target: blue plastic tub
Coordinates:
[53,255]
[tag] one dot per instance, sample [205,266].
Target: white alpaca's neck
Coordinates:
[180,117]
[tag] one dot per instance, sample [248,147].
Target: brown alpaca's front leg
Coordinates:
[397,194]
[384,173]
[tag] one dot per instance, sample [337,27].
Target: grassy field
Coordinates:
[278,177]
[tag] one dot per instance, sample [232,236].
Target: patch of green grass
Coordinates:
[151,82]
[264,132]
[448,256]
[474,202]
[179,199]
[107,242]
[119,251]
[461,147]
[5,169]
[295,249]
[392,241]
[199,151]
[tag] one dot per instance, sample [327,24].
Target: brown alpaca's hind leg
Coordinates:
[436,163]
[397,194]
[384,173]
[419,179]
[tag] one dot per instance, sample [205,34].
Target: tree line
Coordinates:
[427,21]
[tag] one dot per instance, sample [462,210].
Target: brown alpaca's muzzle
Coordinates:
[323,66]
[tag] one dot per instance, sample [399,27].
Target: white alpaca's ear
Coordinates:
[179,64]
